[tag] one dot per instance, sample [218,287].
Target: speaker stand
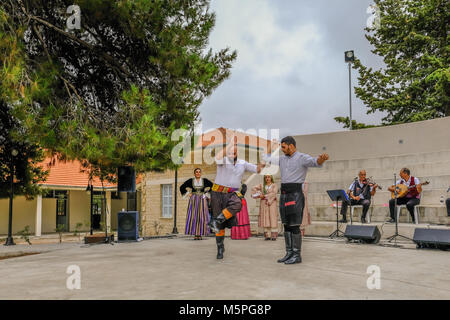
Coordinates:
[107,238]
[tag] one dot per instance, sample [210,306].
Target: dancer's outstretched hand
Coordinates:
[322,158]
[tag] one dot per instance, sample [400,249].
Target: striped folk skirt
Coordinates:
[197,216]
[242,230]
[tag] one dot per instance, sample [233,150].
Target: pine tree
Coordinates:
[112,92]
[26,164]
[413,39]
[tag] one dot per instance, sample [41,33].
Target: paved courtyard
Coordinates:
[181,268]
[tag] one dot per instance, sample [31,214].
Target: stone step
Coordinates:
[327,174]
[431,214]
[428,197]
[325,228]
[436,182]
[427,214]
[257,230]
[396,161]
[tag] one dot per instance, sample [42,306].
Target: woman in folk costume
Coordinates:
[197,216]
[242,230]
[306,220]
[268,208]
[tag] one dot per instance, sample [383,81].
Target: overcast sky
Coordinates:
[290,72]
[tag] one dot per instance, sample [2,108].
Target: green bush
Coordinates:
[60,229]
[25,234]
[77,230]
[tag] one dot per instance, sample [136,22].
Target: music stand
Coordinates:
[336,195]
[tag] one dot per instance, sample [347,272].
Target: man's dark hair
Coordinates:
[406,170]
[289,140]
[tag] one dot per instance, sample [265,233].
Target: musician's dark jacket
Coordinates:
[363,190]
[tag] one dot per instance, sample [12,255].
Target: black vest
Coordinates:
[365,190]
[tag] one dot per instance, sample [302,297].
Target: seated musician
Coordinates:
[360,192]
[411,199]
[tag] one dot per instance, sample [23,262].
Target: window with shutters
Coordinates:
[167,200]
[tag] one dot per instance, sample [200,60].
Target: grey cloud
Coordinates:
[308,97]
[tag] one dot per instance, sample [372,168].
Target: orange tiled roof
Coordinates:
[68,174]
[221,135]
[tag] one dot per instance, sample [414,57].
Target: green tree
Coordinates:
[27,168]
[413,39]
[25,234]
[112,92]
[355,125]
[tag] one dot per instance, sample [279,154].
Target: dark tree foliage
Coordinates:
[112,92]
[27,169]
[355,125]
[413,39]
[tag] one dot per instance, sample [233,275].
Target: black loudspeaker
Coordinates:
[126,179]
[432,238]
[127,225]
[366,234]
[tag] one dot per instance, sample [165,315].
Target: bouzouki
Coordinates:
[402,189]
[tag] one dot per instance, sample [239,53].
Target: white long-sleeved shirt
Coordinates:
[230,174]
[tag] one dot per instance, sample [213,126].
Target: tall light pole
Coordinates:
[175,230]
[90,189]
[10,240]
[349,58]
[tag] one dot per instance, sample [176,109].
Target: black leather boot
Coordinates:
[220,246]
[296,248]
[215,223]
[288,242]
[363,218]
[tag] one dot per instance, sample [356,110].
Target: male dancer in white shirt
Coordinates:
[225,196]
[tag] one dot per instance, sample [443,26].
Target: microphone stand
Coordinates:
[394,237]
[350,200]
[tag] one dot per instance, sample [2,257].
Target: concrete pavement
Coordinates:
[181,268]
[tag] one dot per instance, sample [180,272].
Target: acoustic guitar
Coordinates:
[402,189]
